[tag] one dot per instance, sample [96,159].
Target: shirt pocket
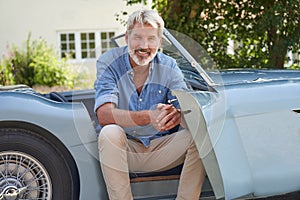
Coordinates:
[158,94]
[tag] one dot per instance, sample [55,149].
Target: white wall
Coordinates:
[44,18]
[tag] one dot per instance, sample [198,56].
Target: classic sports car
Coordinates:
[246,125]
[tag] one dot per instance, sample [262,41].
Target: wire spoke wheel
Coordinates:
[23,177]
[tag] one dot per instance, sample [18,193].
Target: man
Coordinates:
[140,130]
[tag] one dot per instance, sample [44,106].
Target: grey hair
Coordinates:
[146,16]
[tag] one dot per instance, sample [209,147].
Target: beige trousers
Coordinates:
[119,156]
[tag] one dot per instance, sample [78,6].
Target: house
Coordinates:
[78,28]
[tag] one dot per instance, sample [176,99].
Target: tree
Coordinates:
[263,30]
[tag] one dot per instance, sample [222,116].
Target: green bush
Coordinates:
[37,64]
[294,66]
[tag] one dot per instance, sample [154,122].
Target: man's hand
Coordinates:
[165,117]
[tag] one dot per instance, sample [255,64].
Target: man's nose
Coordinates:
[144,43]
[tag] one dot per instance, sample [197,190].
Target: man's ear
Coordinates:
[126,37]
[160,41]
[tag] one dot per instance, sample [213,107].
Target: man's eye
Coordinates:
[152,40]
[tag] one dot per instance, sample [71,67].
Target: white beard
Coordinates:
[144,61]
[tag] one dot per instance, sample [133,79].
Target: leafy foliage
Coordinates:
[37,64]
[263,30]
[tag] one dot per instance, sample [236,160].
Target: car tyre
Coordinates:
[33,167]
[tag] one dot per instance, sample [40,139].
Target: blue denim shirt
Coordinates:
[115,84]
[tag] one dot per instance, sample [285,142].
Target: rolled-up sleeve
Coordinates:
[105,86]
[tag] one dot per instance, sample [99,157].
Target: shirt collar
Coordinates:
[130,70]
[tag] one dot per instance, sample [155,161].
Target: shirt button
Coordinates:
[133,133]
[140,99]
[159,91]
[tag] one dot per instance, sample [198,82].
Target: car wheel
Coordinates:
[31,167]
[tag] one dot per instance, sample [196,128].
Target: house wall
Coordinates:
[46,19]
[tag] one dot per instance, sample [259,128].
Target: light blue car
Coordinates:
[246,125]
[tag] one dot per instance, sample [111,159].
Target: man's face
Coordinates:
[143,42]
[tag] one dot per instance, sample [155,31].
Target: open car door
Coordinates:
[196,124]
[223,155]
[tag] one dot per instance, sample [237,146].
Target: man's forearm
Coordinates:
[108,114]
[126,118]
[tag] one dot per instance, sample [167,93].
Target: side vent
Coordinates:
[297,111]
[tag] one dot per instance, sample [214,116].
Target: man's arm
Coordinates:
[109,114]
[164,117]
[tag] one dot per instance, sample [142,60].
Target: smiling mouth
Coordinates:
[142,51]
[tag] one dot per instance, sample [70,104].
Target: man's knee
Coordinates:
[189,140]
[113,134]
[186,136]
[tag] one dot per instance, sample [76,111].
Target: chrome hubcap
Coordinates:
[23,177]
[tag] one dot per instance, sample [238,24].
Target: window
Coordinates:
[105,40]
[88,45]
[85,45]
[67,42]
